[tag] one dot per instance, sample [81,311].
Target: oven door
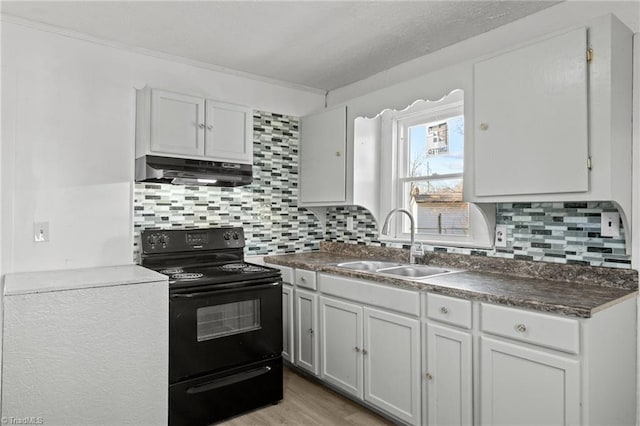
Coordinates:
[214,329]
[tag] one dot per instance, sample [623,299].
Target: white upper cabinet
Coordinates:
[531,118]
[549,124]
[190,126]
[323,142]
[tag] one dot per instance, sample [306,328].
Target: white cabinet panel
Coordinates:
[341,343]
[449,376]
[306,350]
[531,131]
[323,139]
[229,132]
[524,386]
[287,323]
[176,123]
[392,364]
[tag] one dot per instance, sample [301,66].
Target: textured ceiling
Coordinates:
[322,45]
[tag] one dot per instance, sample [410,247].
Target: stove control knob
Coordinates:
[236,235]
[151,240]
[227,236]
[163,239]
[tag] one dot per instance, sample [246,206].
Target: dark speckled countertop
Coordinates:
[558,297]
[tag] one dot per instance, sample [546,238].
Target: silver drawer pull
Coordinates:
[521,328]
[357,349]
[302,279]
[364,352]
[310,331]
[429,376]
[444,310]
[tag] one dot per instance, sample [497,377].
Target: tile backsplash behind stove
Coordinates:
[267,209]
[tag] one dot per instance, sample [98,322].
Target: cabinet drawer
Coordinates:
[368,293]
[539,329]
[449,309]
[287,273]
[306,279]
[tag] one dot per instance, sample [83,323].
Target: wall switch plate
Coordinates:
[41,232]
[349,223]
[501,236]
[610,224]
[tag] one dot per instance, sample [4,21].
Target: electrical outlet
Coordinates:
[610,224]
[349,223]
[41,232]
[501,236]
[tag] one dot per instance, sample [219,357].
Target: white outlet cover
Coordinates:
[501,236]
[610,224]
[41,232]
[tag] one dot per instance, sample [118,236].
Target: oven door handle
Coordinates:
[226,381]
[222,291]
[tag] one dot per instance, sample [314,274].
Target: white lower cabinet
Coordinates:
[342,344]
[449,375]
[525,386]
[287,323]
[392,363]
[306,314]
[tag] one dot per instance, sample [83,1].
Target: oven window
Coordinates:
[230,318]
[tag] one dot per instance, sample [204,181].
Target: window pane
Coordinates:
[225,320]
[437,207]
[436,148]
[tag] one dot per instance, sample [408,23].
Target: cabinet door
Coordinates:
[177,123]
[449,376]
[524,386]
[530,108]
[323,141]
[341,344]
[306,351]
[287,323]
[229,132]
[392,364]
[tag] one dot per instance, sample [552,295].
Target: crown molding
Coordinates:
[153,53]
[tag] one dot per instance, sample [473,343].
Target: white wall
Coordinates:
[68,140]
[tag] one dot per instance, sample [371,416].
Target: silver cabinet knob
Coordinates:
[338,153]
[364,352]
[310,331]
[303,279]
[201,125]
[357,349]
[209,126]
[444,310]
[484,126]
[429,376]
[521,328]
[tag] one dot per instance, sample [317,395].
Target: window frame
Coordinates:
[392,195]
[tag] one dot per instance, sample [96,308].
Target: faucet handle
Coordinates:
[417,249]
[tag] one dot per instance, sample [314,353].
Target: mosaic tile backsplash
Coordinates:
[267,209]
[273,223]
[549,232]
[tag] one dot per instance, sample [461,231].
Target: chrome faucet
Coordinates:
[385,229]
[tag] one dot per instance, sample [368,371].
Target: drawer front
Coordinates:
[553,332]
[449,309]
[368,293]
[287,273]
[306,279]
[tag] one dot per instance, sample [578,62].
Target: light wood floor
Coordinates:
[308,403]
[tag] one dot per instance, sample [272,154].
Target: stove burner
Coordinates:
[233,267]
[241,267]
[187,276]
[171,271]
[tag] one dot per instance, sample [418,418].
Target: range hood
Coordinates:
[184,171]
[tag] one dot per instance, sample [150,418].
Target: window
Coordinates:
[430,147]
[422,171]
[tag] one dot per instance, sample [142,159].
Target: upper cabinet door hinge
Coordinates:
[589,55]
[589,163]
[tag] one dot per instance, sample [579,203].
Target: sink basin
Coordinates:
[413,271]
[368,265]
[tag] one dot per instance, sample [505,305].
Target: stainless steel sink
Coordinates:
[414,271]
[368,265]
